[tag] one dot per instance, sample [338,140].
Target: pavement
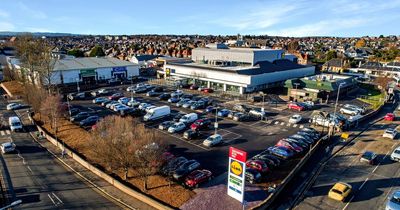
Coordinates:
[372,184]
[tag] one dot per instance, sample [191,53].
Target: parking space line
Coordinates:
[180,138]
[347,204]
[282,123]
[2,133]
[8,132]
[301,126]
[288,125]
[295,126]
[276,122]
[362,185]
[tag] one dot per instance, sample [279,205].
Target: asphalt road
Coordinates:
[372,184]
[41,181]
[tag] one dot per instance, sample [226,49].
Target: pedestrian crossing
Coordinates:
[5,132]
[278,123]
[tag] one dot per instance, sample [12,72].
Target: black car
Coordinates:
[80,116]
[270,160]
[130,111]
[178,117]
[153,93]
[164,96]
[165,125]
[75,96]
[89,121]
[172,165]
[158,89]
[191,134]
[74,111]
[106,102]
[252,176]
[198,105]
[185,169]
[189,96]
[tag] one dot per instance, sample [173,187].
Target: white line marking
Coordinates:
[362,185]
[2,133]
[29,168]
[57,197]
[8,132]
[301,126]
[288,125]
[276,122]
[282,123]
[295,126]
[52,199]
[348,203]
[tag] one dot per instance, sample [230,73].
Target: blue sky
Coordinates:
[282,18]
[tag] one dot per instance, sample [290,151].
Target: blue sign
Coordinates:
[119,69]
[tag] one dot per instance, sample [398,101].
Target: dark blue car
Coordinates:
[281,152]
[223,112]
[209,109]
[89,121]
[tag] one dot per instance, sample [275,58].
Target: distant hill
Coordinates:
[47,34]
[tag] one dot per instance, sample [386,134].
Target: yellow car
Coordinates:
[340,191]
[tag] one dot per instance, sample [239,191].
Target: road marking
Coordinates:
[348,203]
[288,125]
[362,185]
[295,126]
[57,197]
[2,133]
[29,168]
[52,199]
[301,126]
[282,123]
[276,122]
[8,132]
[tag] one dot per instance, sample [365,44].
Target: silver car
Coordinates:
[393,202]
[395,156]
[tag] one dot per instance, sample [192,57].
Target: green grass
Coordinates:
[374,96]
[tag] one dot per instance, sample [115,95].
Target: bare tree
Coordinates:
[47,63]
[52,108]
[383,82]
[125,144]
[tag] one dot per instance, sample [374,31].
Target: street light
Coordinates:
[263,102]
[216,120]
[77,85]
[15,203]
[337,97]
[295,95]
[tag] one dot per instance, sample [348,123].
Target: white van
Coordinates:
[189,118]
[15,124]
[157,113]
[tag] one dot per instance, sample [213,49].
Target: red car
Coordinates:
[208,90]
[389,117]
[296,106]
[289,145]
[258,165]
[197,177]
[201,124]
[116,96]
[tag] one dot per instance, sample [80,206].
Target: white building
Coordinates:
[236,70]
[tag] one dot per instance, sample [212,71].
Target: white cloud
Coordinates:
[6,26]
[37,14]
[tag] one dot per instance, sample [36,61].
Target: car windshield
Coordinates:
[390,131]
[397,151]
[15,123]
[395,199]
[368,155]
[336,191]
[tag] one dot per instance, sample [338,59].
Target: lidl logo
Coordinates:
[236,168]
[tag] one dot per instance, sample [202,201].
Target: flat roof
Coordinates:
[90,63]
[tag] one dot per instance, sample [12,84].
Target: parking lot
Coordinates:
[253,136]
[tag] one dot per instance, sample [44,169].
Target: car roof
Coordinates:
[395,194]
[341,186]
[215,135]
[7,144]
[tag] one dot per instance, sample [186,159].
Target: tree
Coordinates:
[76,52]
[47,63]
[97,51]
[330,55]
[360,43]
[382,82]
[52,108]
[125,144]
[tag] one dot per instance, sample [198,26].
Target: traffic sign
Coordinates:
[236,173]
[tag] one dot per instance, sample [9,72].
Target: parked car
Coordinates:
[188,96]
[201,124]
[198,105]
[289,145]
[349,111]
[258,165]
[130,88]
[177,127]
[140,90]
[188,104]
[369,157]
[153,93]
[390,133]
[104,103]
[7,147]
[304,145]
[74,111]
[240,108]
[395,156]
[100,92]
[197,177]
[281,152]
[91,120]
[257,113]
[164,96]
[389,117]
[361,110]
[191,134]
[194,87]
[223,113]
[75,96]
[165,125]
[177,93]
[182,101]
[208,90]
[296,106]
[209,109]
[174,99]
[120,107]
[206,100]
[241,117]
[340,191]
[252,176]
[116,96]
[124,100]
[393,202]
[178,116]
[134,103]
[189,118]
[111,104]
[172,165]
[14,106]
[212,140]
[142,106]
[147,109]
[304,138]
[99,100]
[185,169]
[271,160]
[201,88]
[80,116]
[295,119]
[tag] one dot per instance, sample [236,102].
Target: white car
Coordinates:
[395,156]
[14,106]
[361,110]
[349,111]
[212,140]
[131,88]
[7,147]
[143,106]
[180,126]
[295,119]
[257,113]
[149,107]
[390,133]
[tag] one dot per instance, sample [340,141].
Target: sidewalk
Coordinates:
[98,184]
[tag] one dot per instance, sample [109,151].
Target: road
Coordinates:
[41,181]
[372,184]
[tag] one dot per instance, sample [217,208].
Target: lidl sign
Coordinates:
[236,175]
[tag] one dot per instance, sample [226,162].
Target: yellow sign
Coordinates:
[236,168]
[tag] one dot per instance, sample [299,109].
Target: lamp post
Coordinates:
[337,97]
[263,102]
[296,84]
[69,108]
[77,85]
[216,120]
[131,90]
[15,203]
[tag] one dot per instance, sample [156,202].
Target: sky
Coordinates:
[217,17]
